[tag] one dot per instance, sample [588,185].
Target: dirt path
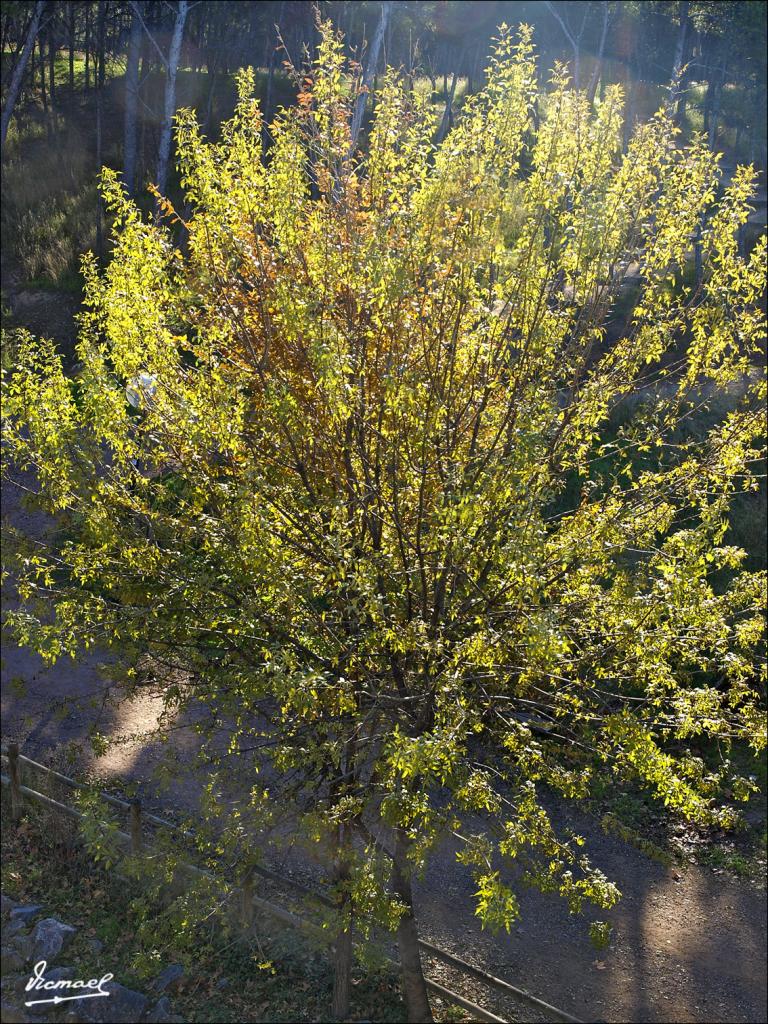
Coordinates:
[688,945]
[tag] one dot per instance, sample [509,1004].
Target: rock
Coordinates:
[7,905]
[95,946]
[23,945]
[14,927]
[14,982]
[50,937]
[122,1006]
[11,1014]
[170,979]
[222,983]
[10,961]
[26,912]
[59,974]
[162,1012]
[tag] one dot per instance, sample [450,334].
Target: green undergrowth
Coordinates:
[273,975]
[639,818]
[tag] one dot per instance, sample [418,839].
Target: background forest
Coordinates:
[87,84]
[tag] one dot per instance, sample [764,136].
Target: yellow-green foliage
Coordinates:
[363,379]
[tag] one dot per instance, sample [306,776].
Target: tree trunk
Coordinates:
[574,40]
[681,39]
[576,65]
[342,960]
[99,80]
[71,41]
[209,104]
[596,71]
[713,122]
[632,75]
[18,72]
[370,72]
[87,47]
[52,64]
[698,268]
[32,71]
[272,61]
[169,106]
[101,35]
[677,71]
[99,205]
[447,120]
[412,976]
[130,139]
[43,94]
[714,94]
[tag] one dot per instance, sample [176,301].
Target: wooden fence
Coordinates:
[137,819]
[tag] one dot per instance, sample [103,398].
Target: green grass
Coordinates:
[727,859]
[639,818]
[49,205]
[112,69]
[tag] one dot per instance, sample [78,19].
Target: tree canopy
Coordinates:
[403,486]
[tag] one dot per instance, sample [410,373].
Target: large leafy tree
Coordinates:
[376,497]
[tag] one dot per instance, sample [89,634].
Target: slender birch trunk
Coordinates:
[342,960]
[87,47]
[678,72]
[52,64]
[98,78]
[43,93]
[169,104]
[18,72]
[370,72]
[597,70]
[447,119]
[71,41]
[130,133]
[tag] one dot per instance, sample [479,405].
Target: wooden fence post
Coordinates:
[17,806]
[246,899]
[135,827]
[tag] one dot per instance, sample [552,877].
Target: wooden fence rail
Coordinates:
[133,840]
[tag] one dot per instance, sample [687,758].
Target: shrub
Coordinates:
[363,381]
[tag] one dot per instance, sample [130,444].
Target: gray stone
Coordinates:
[222,983]
[162,1012]
[14,982]
[10,1014]
[122,1006]
[27,912]
[95,946]
[14,927]
[170,979]
[50,937]
[10,961]
[23,946]
[7,905]
[59,974]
